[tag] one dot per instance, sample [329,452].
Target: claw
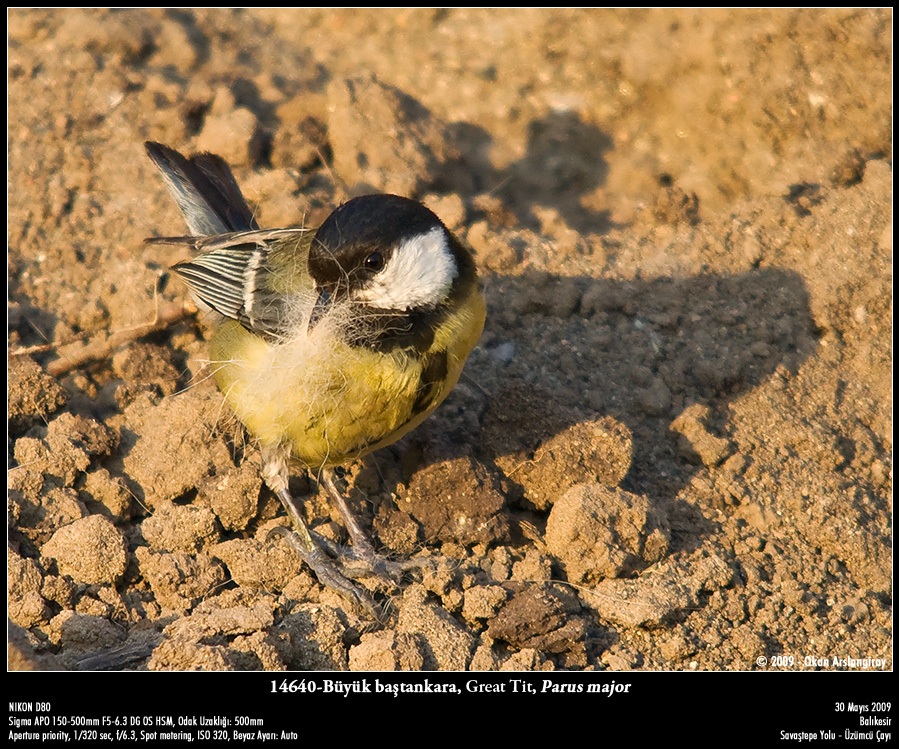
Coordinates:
[368,563]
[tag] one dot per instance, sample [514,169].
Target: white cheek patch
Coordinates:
[419,273]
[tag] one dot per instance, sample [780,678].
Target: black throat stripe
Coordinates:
[430,384]
[387,332]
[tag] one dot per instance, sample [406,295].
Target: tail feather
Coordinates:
[205,190]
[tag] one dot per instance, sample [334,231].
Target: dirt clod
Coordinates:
[597,532]
[89,550]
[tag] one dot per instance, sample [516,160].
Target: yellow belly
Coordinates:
[329,401]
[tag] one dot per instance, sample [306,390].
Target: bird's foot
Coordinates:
[327,573]
[366,562]
[360,560]
[337,567]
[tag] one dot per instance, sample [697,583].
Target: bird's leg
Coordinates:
[359,539]
[312,554]
[373,564]
[301,538]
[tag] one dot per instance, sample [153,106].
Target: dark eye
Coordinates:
[374,262]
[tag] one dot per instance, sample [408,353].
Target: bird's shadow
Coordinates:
[641,352]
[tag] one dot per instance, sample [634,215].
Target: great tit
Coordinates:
[328,344]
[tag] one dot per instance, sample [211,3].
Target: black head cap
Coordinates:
[344,244]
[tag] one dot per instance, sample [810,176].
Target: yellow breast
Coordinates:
[332,402]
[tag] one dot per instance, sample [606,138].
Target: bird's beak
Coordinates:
[321,307]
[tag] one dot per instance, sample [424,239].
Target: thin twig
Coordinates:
[73,356]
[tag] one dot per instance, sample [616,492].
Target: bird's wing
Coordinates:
[205,190]
[245,273]
[234,274]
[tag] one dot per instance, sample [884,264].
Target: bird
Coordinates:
[330,343]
